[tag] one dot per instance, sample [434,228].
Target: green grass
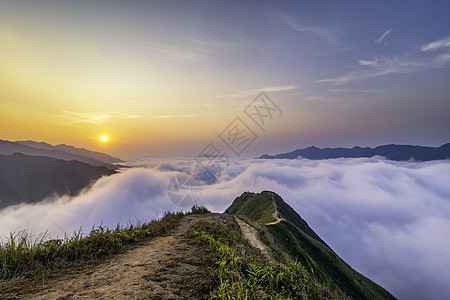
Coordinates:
[293,239]
[327,267]
[23,260]
[257,207]
[243,274]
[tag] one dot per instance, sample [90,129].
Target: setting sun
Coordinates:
[104,139]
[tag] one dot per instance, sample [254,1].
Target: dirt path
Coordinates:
[252,236]
[167,267]
[276,215]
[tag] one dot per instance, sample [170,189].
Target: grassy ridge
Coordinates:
[242,273]
[21,257]
[326,266]
[257,207]
[294,237]
[22,260]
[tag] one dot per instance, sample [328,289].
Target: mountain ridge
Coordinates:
[294,237]
[253,201]
[390,151]
[8,148]
[103,157]
[30,179]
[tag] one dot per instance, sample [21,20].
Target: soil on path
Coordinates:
[166,267]
[252,236]
[275,214]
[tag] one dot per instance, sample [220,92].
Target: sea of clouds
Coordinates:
[388,220]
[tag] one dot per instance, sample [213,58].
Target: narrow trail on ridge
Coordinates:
[252,236]
[165,267]
[275,214]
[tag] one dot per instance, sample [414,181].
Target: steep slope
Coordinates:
[295,238]
[29,179]
[268,207]
[392,152]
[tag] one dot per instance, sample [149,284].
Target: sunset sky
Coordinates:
[167,77]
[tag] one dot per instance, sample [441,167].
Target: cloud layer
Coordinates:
[389,220]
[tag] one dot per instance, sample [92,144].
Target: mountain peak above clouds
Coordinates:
[292,236]
[267,208]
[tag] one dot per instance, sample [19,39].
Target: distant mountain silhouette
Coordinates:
[30,179]
[71,149]
[392,152]
[61,152]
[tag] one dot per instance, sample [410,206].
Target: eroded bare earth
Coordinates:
[252,236]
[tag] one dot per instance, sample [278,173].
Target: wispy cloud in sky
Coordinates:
[211,45]
[176,53]
[82,117]
[326,33]
[72,117]
[383,36]
[338,91]
[403,63]
[176,116]
[363,62]
[189,49]
[313,98]
[442,59]
[439,44]
[252,92]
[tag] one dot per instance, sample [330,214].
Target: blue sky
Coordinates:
[153,73]
[167,77]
